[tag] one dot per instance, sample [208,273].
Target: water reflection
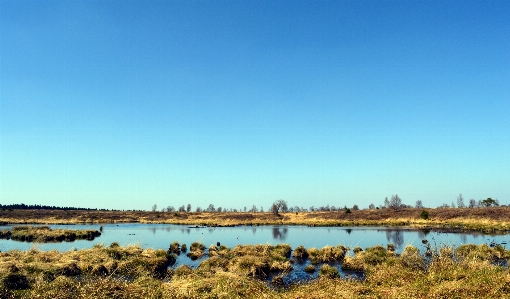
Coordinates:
[422,234]
[395,237]
[280,235]
[161,235]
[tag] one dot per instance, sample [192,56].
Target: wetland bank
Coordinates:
[397,265]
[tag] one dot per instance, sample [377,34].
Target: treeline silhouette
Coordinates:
[23,206]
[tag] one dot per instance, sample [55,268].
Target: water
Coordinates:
[159,236]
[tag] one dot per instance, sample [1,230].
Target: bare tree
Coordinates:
[460,201]
[219,209]
[371,206]
[188,208]
[419,204]
[395,202]
[154,207]
[386,202]
[472,203]
[279,205]
[210,208]
[274,209]
[170,209]
[355,207]
[182,208]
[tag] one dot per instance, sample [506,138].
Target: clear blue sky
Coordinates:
[126,104]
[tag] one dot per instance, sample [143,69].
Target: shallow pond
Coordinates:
[159,236]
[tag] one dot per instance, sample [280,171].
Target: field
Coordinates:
[493,219]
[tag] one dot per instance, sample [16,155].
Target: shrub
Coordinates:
[424,215]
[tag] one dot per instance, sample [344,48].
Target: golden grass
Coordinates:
[44,234]
[133,272]
[466,219]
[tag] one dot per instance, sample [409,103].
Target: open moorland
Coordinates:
[489,219]
[468,271]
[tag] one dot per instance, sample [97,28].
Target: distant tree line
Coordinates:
[23,206]
[281,206]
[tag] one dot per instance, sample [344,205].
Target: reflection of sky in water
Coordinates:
[160,236]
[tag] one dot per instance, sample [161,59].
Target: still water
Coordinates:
[159,236]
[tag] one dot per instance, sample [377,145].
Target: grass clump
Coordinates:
[44,234]
[483,252]
[328,271]
[300,252]
[174,248]
[466,272]
[196,251]
[327,254]
[411,258]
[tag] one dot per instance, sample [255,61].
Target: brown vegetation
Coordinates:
[43,234]
[488,219]
[133,272]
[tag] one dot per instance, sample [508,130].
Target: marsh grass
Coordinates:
[197,251]
[44,234]
[327,254]
[133,272]
[328,271]
[300,252]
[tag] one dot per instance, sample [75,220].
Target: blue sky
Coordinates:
[126,104]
